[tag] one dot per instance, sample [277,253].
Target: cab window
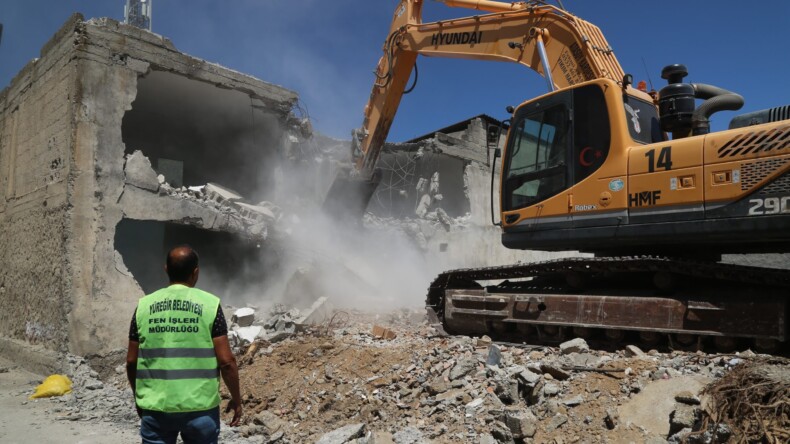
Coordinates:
[537,157]
[642,120]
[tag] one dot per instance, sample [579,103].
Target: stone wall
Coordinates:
[36,152]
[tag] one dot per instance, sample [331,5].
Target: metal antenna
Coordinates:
[138,13]
[648,74]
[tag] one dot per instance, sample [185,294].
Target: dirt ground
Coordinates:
[26,421]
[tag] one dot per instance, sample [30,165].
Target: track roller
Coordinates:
[614,336]
[650,338]
[725,344]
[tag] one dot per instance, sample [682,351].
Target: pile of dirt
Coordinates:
[754,401]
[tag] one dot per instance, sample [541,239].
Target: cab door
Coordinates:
[537,174]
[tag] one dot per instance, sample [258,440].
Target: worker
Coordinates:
[178,346]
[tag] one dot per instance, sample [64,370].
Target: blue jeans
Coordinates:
[195,427]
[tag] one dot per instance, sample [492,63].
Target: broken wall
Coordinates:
[68,122]
[438,189]
[36,140]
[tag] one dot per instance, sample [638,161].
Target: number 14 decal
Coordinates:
[664,159]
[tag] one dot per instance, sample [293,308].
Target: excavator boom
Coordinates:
[575,51]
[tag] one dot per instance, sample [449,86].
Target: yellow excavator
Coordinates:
[589,166]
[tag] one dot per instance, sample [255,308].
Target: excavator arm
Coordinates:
[574,51]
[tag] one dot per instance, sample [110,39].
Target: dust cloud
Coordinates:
[309,254]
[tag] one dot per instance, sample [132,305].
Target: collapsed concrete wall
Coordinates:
[437,188]
[113,127]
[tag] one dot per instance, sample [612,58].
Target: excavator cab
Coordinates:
[562,138]
[563,142]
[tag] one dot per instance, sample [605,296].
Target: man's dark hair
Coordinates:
[181,262]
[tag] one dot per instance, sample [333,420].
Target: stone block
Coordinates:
[555,371]
[577,345]
[573,401]
[521,422]
[501,432]
[634,351]
[383,333]
[462,368]
[686,397]
[684,416]
[247,335]
[244,317]
[317,313]
[343,434]
[409,435]
[494,355]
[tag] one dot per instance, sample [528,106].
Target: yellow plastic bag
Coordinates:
[54,385]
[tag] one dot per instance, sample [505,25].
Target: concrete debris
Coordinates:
[683,417]
[494,356]
[244,317]
[409,435]
[139,173]
[555,370]
[270,421]
[577,345]
[556,421]
[344,434]
[383,333]
[318,312]
[501,432]
[416,388]
[686,397]
[521,422]
[573,401]
[483,341]
[633,350]
[211,206]
[462,368]
[220,194]
[247,335]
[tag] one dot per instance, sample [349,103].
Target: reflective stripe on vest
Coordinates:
[151,353]
[177,374]
[177,366]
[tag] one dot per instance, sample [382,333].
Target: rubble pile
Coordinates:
[281,323]
[393,379]
[252,220]
[92,399]
[350,377]
[419,229]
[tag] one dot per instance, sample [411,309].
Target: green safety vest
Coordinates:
[176,367]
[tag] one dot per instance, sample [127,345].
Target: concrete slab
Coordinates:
[139,173]
[650,409]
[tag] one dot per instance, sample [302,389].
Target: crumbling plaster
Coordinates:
[62,284]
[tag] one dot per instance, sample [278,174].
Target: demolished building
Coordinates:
[437,187]
[107,142]
[115,146]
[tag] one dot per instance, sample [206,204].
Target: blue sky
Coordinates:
[326,49]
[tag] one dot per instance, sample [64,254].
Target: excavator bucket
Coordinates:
[348,196]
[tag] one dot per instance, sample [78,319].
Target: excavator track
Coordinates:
[685,302]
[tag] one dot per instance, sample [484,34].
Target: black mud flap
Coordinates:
[348,197]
